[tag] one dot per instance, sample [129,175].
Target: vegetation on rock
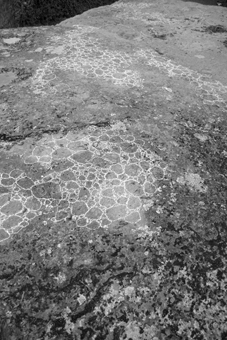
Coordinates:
[164,282]
[19,13]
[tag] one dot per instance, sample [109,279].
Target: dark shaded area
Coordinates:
[215,29]
[20,13]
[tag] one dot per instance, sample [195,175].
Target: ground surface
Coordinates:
[113,175]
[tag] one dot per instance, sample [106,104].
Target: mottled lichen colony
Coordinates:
[81,51]
[86,55]
[96,178]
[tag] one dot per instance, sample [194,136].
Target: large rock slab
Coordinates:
[90,69]
[113,174]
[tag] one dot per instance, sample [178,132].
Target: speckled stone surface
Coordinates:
[113,159]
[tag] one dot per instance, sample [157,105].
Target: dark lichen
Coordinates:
[215,29]
[166,281]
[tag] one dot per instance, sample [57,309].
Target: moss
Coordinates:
[19,13]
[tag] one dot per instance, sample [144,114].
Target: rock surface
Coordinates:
[113,175]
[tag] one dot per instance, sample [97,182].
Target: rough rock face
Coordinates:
[113,175]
